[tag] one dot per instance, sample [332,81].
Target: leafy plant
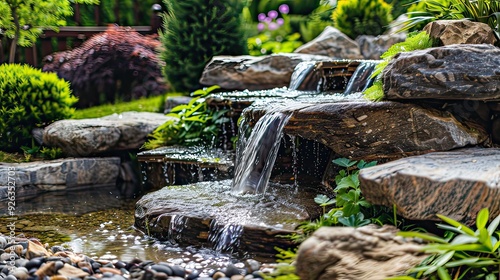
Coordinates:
[50,153]
[195,31]
[348,200]
[362,17]
[24,21]
[285,270]
[464,254]
[485,11]
[29,99]
[195,124]
[414,41]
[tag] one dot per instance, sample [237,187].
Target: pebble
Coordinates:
[82,267]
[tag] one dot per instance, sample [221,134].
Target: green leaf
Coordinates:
[344,162]
[443,274]
[468,261]
[456,224]
[439,262]
[482,218]
[323,200]
[421,235]
[494,225]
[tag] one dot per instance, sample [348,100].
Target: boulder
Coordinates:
[456,184]
[372,47]
[464,72]
[116,132]
[31,178]
[332,43]
[450,32]
[367,252]
[254,72]
[367,130]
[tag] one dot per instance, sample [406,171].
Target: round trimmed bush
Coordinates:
[29,99]
[362,17]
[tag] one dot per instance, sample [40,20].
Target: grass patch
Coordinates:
[149,104]
[11,157]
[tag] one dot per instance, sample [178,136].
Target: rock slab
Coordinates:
[346,253]
[254,72]
[116,132]
[450,32]
[367,130]
[332,43]
[456,184]
[372,47]
[31,178]
[463,72]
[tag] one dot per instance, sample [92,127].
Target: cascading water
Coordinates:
[361,79]
[257,153]
[300,73]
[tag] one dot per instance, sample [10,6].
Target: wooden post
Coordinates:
[156,18]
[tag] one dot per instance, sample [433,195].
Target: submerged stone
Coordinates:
[209,214]
[456,184]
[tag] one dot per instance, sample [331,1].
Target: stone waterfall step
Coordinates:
[208,214]
[176,165]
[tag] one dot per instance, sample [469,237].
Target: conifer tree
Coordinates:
[195,31]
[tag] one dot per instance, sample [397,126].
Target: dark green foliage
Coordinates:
[29,99]
[400,7]
[297,7]
[362,17]
[195,124]
[195,31]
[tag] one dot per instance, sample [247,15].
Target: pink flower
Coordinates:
[284,9]
[261,17]
[280,21]
[272,14]
[273,26]
[261,26]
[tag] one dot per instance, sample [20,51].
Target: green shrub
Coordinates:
[29,98]
[362,17]
[195,31]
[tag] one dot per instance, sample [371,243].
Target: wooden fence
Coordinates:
[70,37]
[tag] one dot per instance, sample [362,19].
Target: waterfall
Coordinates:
[256,154]
[300,73]
[361,78]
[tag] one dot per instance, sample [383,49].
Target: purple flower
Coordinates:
[261,17]
[284,9]
[280,21]
[261,26]
[268,19]
[272,14]
[273,26]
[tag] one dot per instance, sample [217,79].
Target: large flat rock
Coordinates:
[462,71]
[112,133]
[456,184]
[209,214]
[254,72]
[33,178]
[367,130]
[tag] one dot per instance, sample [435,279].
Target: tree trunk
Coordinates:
[13,45]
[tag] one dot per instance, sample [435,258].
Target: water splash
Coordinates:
[361,79]
[257,153]
[224,238]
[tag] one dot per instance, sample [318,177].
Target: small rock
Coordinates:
[232,270]
[218,275]
[178,271]
[163,268]
[252,265]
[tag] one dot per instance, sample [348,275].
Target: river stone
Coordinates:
[367,130]
[208,214]
[31,178]
[469,72]
[450,32]
[367,252]
[115,132]
[254,72]
[372,47]
[456,184]
[332,43]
